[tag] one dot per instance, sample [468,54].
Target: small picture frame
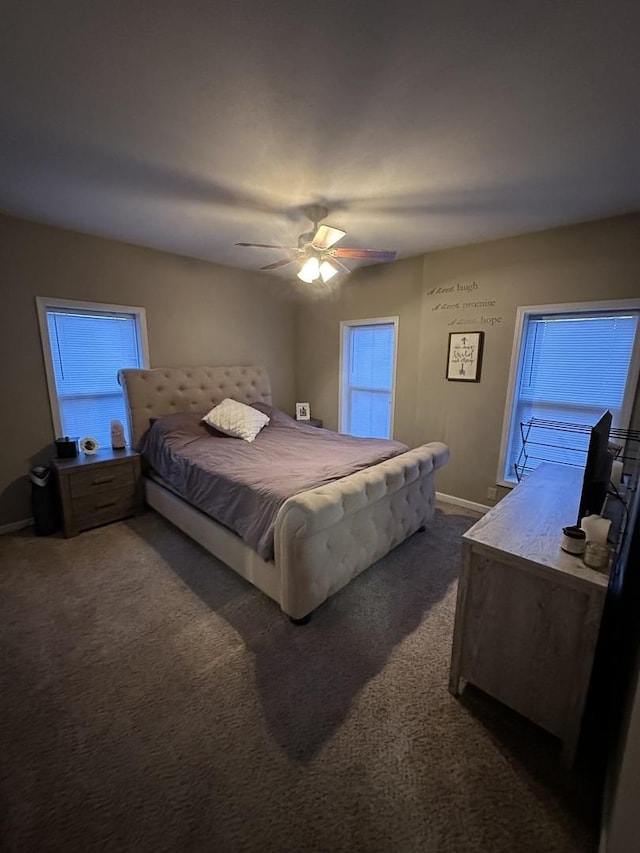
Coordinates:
[464,358]
[303,411]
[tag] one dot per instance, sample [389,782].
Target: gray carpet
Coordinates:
[151,700]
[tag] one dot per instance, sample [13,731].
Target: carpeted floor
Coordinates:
[151,700]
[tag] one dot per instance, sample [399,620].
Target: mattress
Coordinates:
[243,484]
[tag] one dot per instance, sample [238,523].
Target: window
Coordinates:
[84,346]
[570,363]
[367,377]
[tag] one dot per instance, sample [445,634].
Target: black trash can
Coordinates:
[44,501]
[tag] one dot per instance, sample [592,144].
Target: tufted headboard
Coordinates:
[165,390]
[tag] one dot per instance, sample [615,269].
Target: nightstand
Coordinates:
[98,489]
[316,422]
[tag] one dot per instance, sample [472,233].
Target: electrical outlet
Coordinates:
[492,493]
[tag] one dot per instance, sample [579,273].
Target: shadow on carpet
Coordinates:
[308,676]
[153,700]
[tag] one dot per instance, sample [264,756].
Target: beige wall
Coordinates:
[597,260]
[391,290]
[197,313]
[201,313]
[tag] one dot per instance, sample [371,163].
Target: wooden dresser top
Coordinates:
[526,525]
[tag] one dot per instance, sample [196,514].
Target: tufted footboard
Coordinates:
[326,536]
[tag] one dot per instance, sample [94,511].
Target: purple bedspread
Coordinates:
[243,485]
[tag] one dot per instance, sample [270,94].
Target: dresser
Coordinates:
[99,488]
[528,614]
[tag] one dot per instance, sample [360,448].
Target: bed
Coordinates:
[321,537]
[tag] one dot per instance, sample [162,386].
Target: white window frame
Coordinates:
[523,312]
[345,326]
[45,303]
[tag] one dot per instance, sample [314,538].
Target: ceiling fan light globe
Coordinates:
[310,271]
[327,271]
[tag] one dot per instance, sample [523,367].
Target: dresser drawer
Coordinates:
[104,505]
[98,479]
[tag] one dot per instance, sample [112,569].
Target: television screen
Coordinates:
[597,472]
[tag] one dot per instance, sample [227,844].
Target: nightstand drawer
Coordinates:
[105,505]
[98,489]
[97,479]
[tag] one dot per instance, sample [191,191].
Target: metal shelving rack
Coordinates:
[567,444]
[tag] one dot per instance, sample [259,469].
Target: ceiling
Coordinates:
[189,126]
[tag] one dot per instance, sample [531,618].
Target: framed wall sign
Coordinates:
[464,359]
[303,411]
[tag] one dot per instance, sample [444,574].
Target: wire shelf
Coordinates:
[567,444]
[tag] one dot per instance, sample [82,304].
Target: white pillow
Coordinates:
[236,419]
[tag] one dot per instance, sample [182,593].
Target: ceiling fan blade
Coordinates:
[341,267]
[363,254]
[261,245]
[277,264]
[326,236]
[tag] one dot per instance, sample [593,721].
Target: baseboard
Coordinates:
[440,496]
[451,499]
[15,525]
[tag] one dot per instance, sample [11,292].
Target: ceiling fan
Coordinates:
[316,252]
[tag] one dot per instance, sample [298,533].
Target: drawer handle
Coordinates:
[106,504]
[102,480]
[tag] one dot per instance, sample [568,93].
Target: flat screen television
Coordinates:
[597,472]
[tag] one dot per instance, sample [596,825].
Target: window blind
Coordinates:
[370,380]
[572,368]
[87,350]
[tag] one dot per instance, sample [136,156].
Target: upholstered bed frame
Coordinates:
[324,537]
